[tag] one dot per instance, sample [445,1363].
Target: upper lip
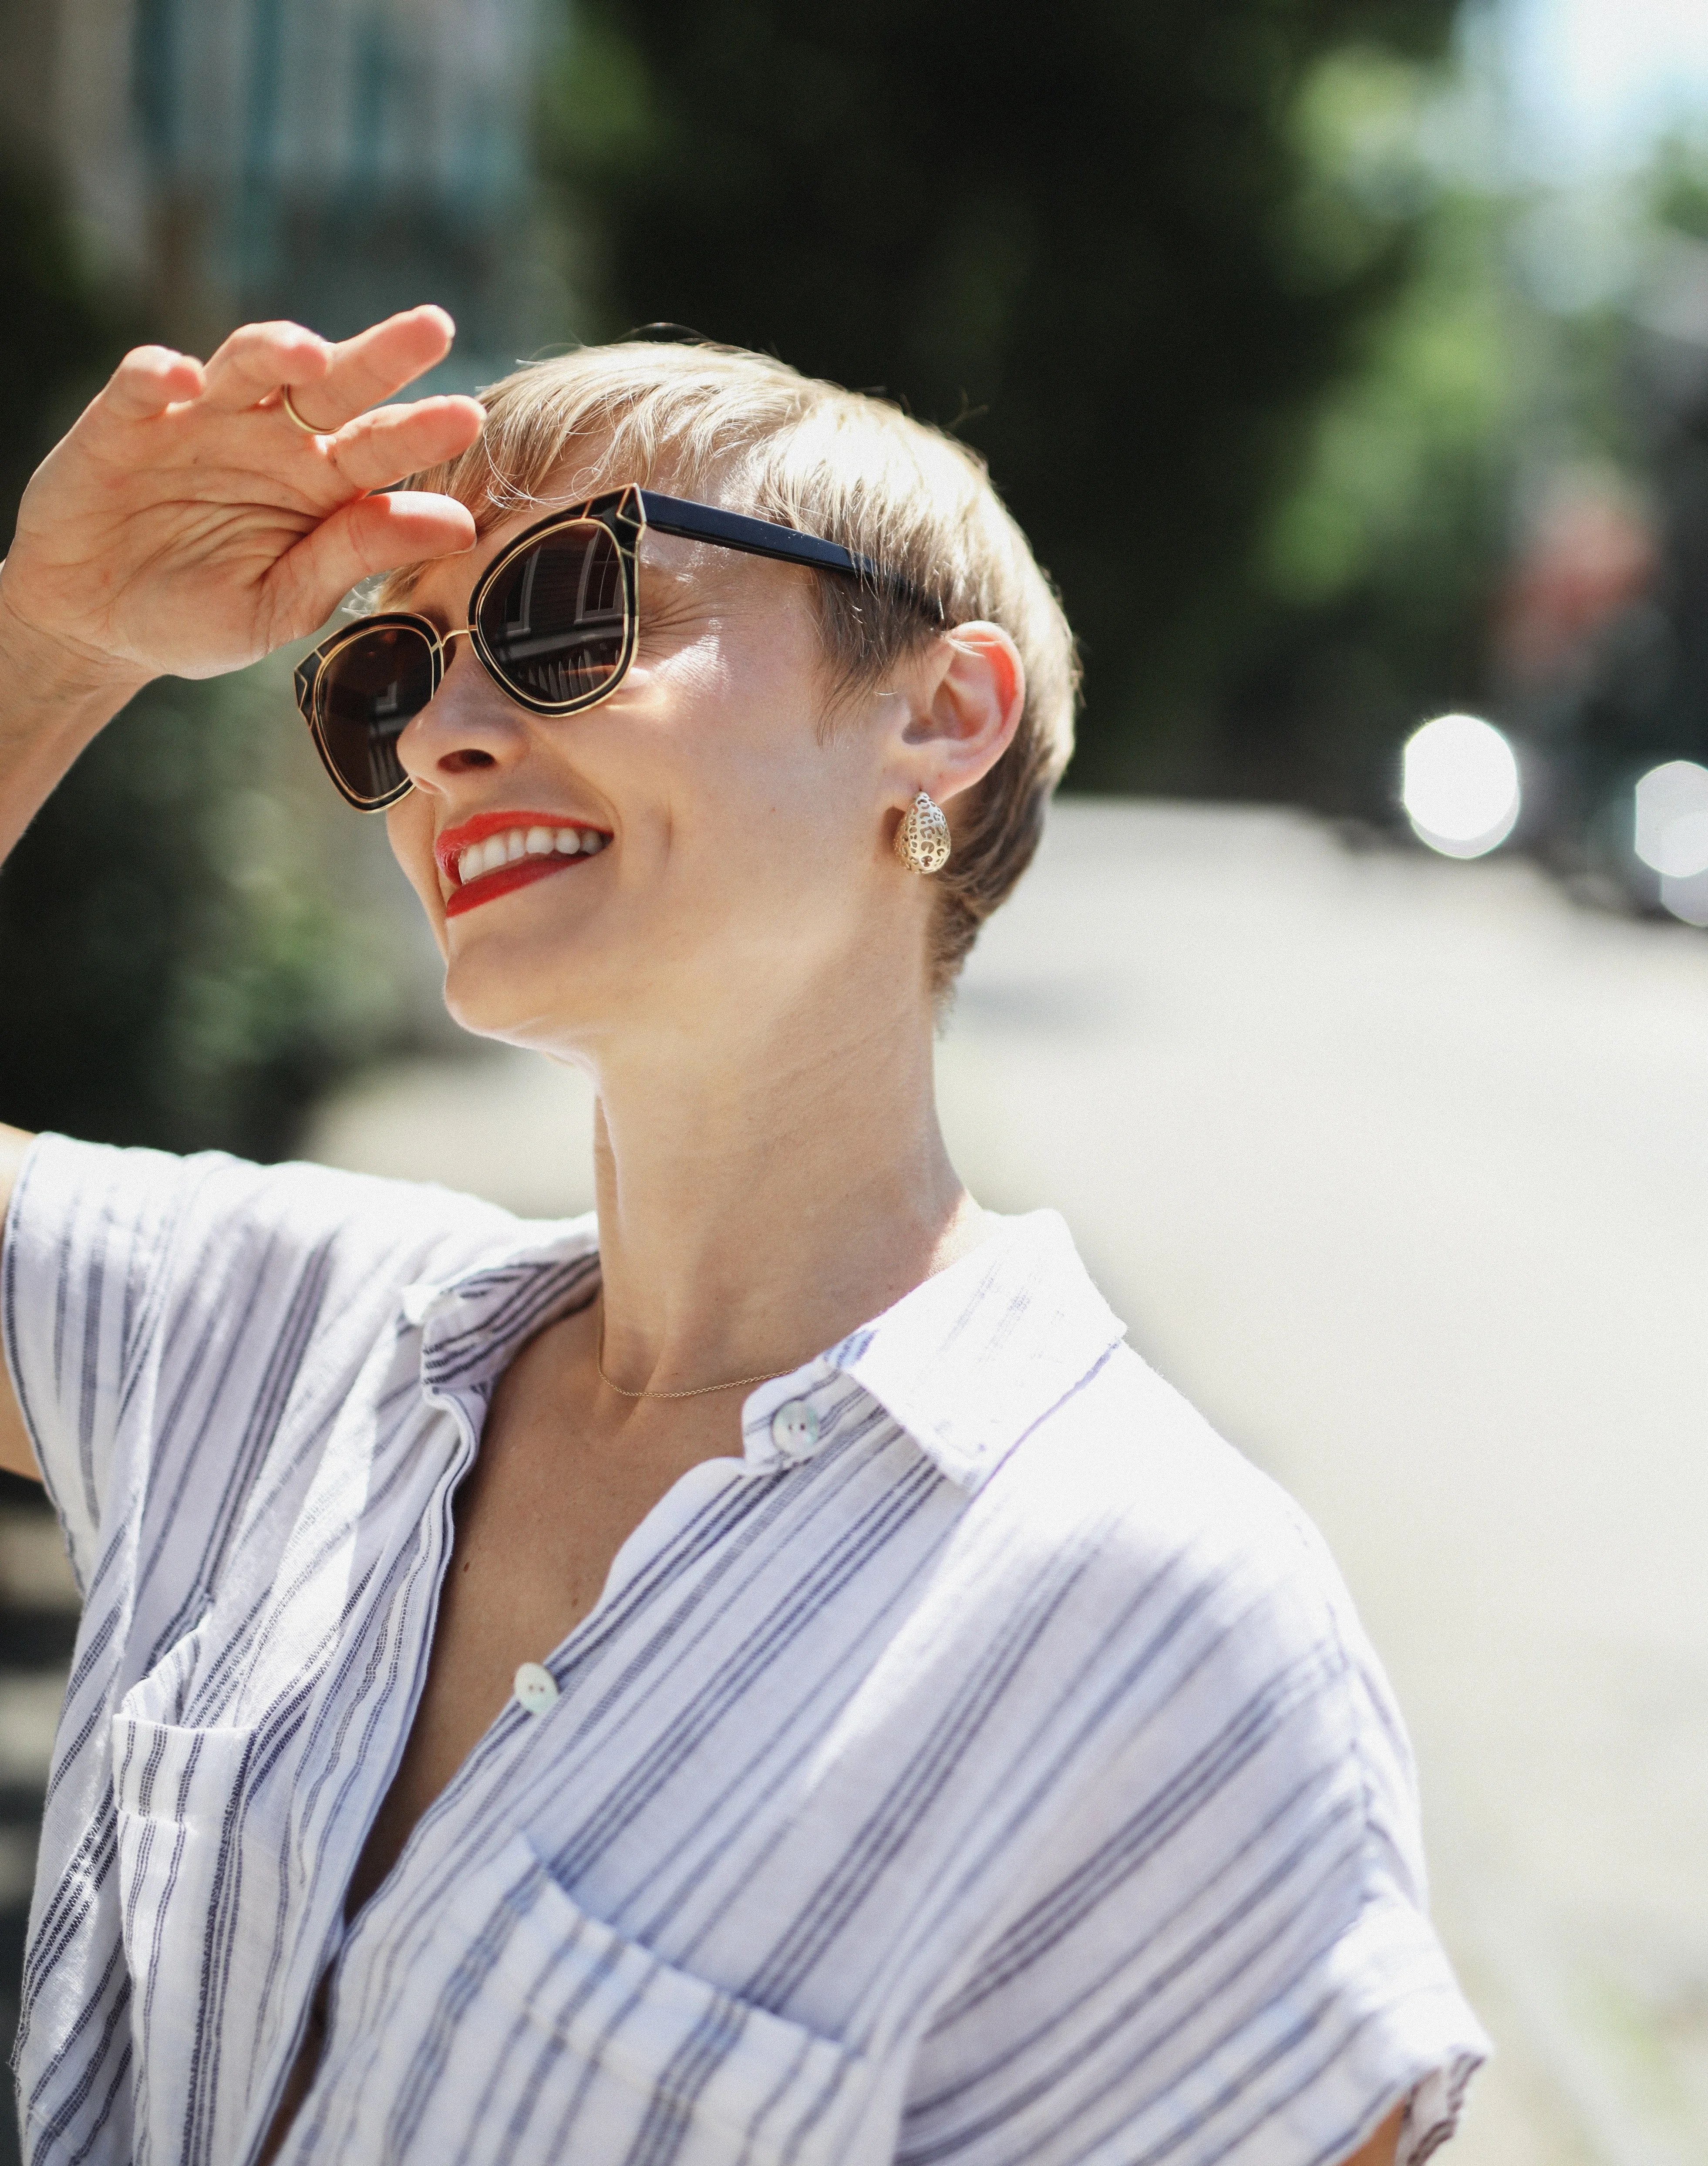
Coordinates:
[450,845]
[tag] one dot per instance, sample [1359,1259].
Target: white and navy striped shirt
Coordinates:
[985,1769]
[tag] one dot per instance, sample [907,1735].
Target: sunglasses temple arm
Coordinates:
[759,537]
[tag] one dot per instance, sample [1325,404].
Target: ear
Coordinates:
[962,711]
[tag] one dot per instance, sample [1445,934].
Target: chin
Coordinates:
[520,1006]
[519,970]
[514,982]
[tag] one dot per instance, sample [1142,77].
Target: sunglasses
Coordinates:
[553,620]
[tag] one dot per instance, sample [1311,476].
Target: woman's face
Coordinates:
[744,851]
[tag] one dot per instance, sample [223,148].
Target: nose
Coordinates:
[467,725]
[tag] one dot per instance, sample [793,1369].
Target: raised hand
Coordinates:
[187,525]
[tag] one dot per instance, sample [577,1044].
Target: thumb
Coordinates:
[371,533]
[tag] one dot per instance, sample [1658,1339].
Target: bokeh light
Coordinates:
[1672,819]
[1670,835]
[1460,785]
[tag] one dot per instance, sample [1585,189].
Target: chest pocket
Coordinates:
[178,1792]
[555,2037]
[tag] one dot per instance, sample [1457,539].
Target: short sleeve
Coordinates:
[1222,1952]
[138,1289]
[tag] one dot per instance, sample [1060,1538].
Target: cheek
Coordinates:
[408,828]
[741,745]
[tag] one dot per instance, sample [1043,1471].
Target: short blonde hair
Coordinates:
[837,464]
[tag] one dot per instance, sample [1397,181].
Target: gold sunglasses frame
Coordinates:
[624,514]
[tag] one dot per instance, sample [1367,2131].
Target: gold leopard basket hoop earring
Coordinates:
[922,840]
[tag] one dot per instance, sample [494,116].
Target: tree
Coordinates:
[1092,241]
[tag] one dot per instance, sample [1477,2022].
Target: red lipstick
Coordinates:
[493,854]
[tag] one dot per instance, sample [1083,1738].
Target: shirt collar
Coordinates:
[471,1323]
[966,1363]
[970,1359]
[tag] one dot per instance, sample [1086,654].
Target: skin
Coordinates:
[742,970]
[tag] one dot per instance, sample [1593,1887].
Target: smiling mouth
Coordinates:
[510,858]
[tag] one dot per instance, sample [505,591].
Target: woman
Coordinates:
[769,1676]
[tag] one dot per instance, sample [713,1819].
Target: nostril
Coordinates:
[460,763]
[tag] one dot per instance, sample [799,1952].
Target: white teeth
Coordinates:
[481,858]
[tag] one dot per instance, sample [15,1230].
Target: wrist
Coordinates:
[45,678]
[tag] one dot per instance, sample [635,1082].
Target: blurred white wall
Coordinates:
[328,158]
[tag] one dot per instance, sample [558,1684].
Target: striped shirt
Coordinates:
[986,1767]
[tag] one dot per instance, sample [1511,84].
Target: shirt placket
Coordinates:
[430,1524]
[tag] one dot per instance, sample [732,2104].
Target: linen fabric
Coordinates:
[987,1766]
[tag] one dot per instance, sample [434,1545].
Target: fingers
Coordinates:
[379,448]
[328,384]
[375,364]
[150,378]
[255,360]
[374,534]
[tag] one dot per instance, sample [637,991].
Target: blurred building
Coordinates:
[325,159]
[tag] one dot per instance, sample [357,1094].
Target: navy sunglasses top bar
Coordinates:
[759,537]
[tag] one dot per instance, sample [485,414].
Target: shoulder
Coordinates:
[123,1262]
[1127,1465]
[100,1204]
[154,1307]
[1220,1600]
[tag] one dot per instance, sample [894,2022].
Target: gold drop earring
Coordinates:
[922,840]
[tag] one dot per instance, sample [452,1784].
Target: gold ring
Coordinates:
[308,428]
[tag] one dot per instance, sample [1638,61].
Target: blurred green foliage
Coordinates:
[1640,695]
[1377,564]
[1679,186]
[1128,253]
[54,333]
[179,964]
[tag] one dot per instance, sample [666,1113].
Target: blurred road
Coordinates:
[1399,1168]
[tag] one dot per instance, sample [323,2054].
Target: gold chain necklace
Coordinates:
[699,1391]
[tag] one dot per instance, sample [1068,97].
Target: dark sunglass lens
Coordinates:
[555,622]
[366,692]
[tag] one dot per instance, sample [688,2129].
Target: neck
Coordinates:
[757,1201]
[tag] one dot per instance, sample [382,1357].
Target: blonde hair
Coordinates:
[837,464]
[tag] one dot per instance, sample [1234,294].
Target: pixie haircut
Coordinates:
[711,421]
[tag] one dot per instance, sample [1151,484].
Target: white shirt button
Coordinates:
[795,1427]
[537,1689]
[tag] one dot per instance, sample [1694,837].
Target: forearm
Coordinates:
[53,701]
